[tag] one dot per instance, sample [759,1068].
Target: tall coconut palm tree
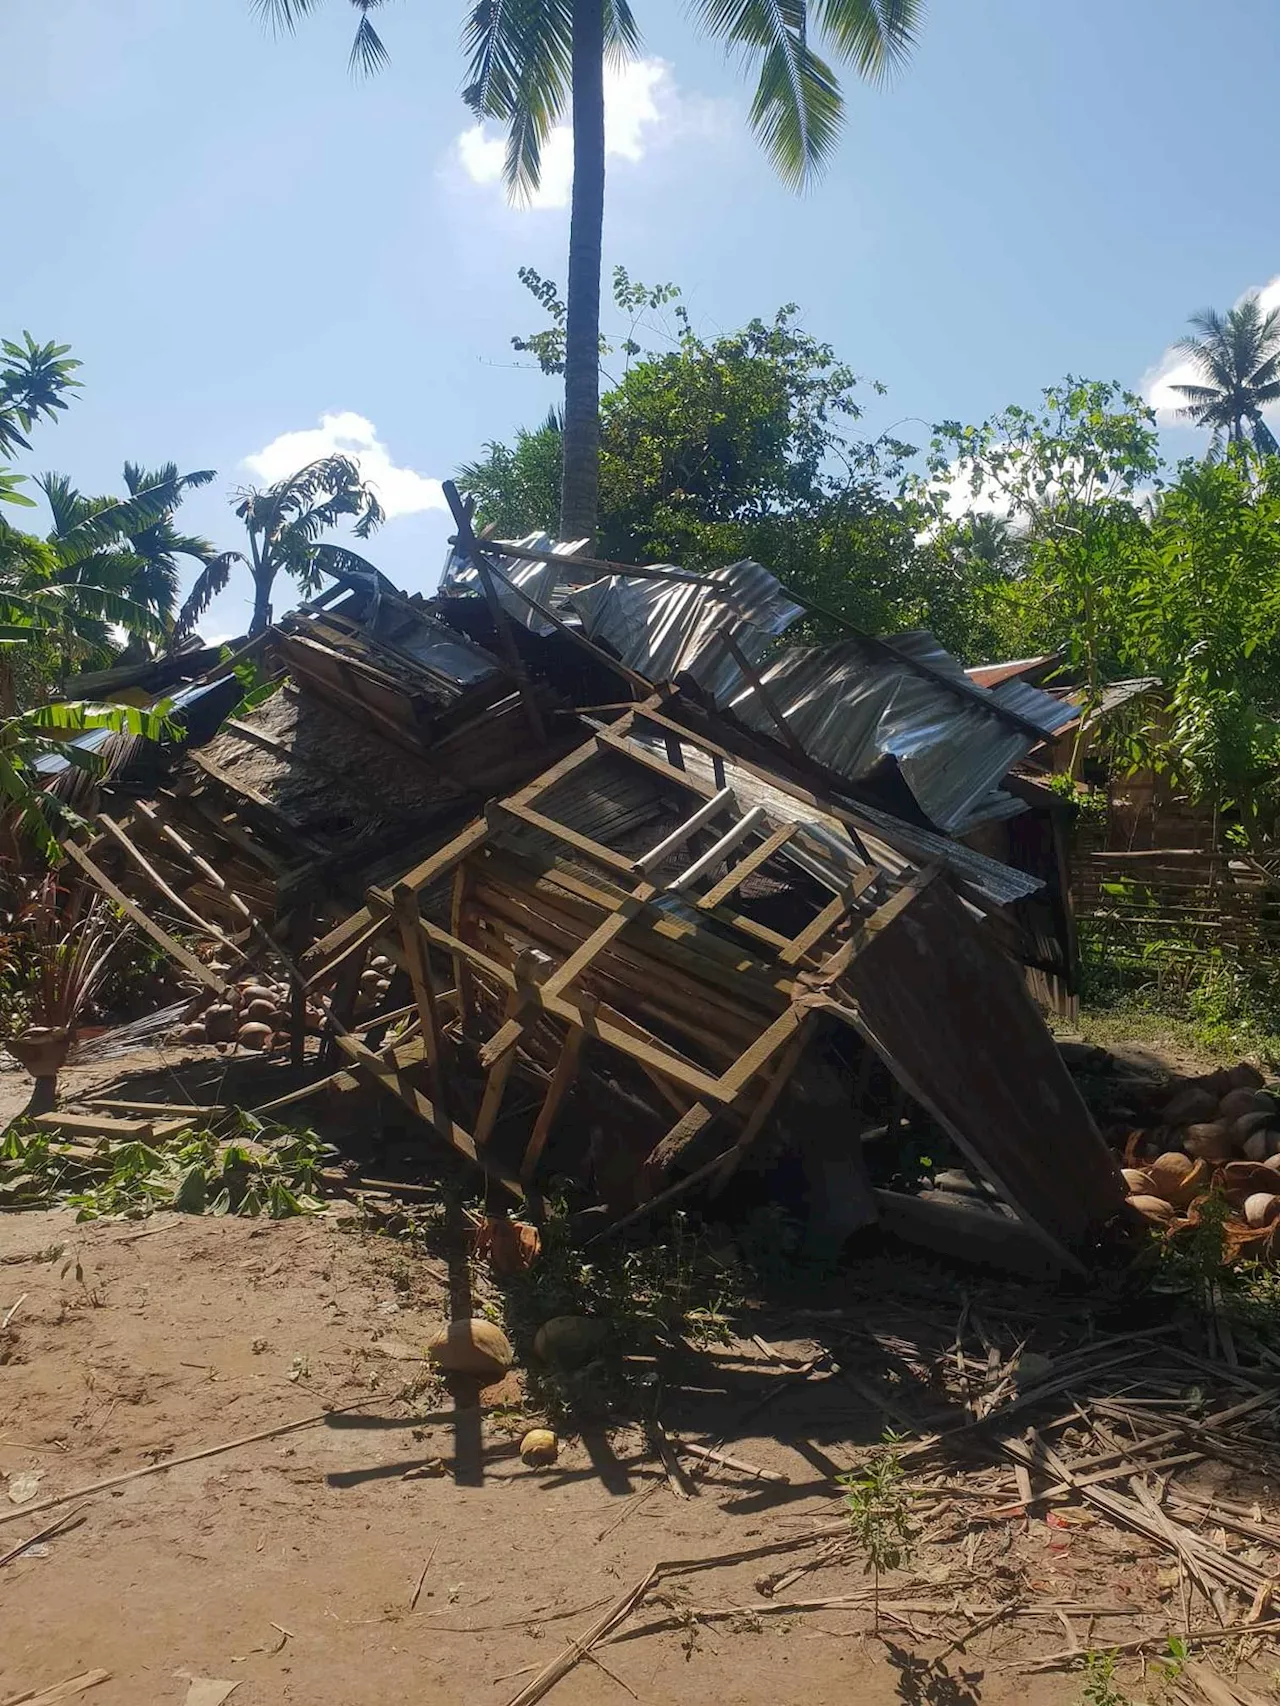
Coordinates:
[1238,357]
[532,62]
[285,522]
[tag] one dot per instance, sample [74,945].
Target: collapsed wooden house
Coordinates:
[663,895]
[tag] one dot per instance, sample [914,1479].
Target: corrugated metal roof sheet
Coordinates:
[851,706]
[664,631]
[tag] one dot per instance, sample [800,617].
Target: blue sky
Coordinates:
[239,240]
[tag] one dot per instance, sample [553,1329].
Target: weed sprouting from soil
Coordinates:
[878,1505]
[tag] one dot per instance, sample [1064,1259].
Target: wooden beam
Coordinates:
[583,843]
[762,693]
[670,1065]
[734,879]
[829,917]
[779,1078]
[458,1136]
[201,864]
[417,963]
[835,967]
[562,1081]
[133,911]
[324,956]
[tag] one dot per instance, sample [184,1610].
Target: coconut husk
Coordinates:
[1177,1178]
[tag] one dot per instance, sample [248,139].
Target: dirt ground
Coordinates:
[289,1565]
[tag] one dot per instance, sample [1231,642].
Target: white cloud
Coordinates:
[1158,383]
[643,108]
[401,491]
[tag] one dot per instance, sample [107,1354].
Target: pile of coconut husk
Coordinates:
[1215,1138]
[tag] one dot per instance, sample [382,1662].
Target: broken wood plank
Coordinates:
[138,858]
[133,911]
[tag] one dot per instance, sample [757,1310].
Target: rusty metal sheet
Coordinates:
[949,1013]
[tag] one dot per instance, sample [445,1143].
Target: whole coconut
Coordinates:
[255,992]
[474,1347]
[570,1341]
[1211,1141]
[192,1034]
[1190,1104]
[1237,1103]
[220,1023]
[1255,1146]
[256,1036]
[261,1013]
[1262,1208]
[539,1448]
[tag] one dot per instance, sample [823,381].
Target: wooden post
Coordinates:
[418,965]
[562,1081]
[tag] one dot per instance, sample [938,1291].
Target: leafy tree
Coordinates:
[1072,477]
[1202,611]
[285,523]
[34,380]
[52,606]
[533,63]
[133,547]
[744,446]
[1238,356]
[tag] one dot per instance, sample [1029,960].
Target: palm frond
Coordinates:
[208,584]
[67,506]
[519,73]
[797,108]
[368,51]
[874,36]
[283,15]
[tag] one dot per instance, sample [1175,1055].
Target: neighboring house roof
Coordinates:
[1018,669]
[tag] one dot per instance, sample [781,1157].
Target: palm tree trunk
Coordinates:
[580,477]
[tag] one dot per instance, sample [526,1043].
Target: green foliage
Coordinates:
[519,69]
[679,1288]
[877,1503]
[34,380]
[1071,476]
[1100,1687]
[262,1170]
[744,446]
